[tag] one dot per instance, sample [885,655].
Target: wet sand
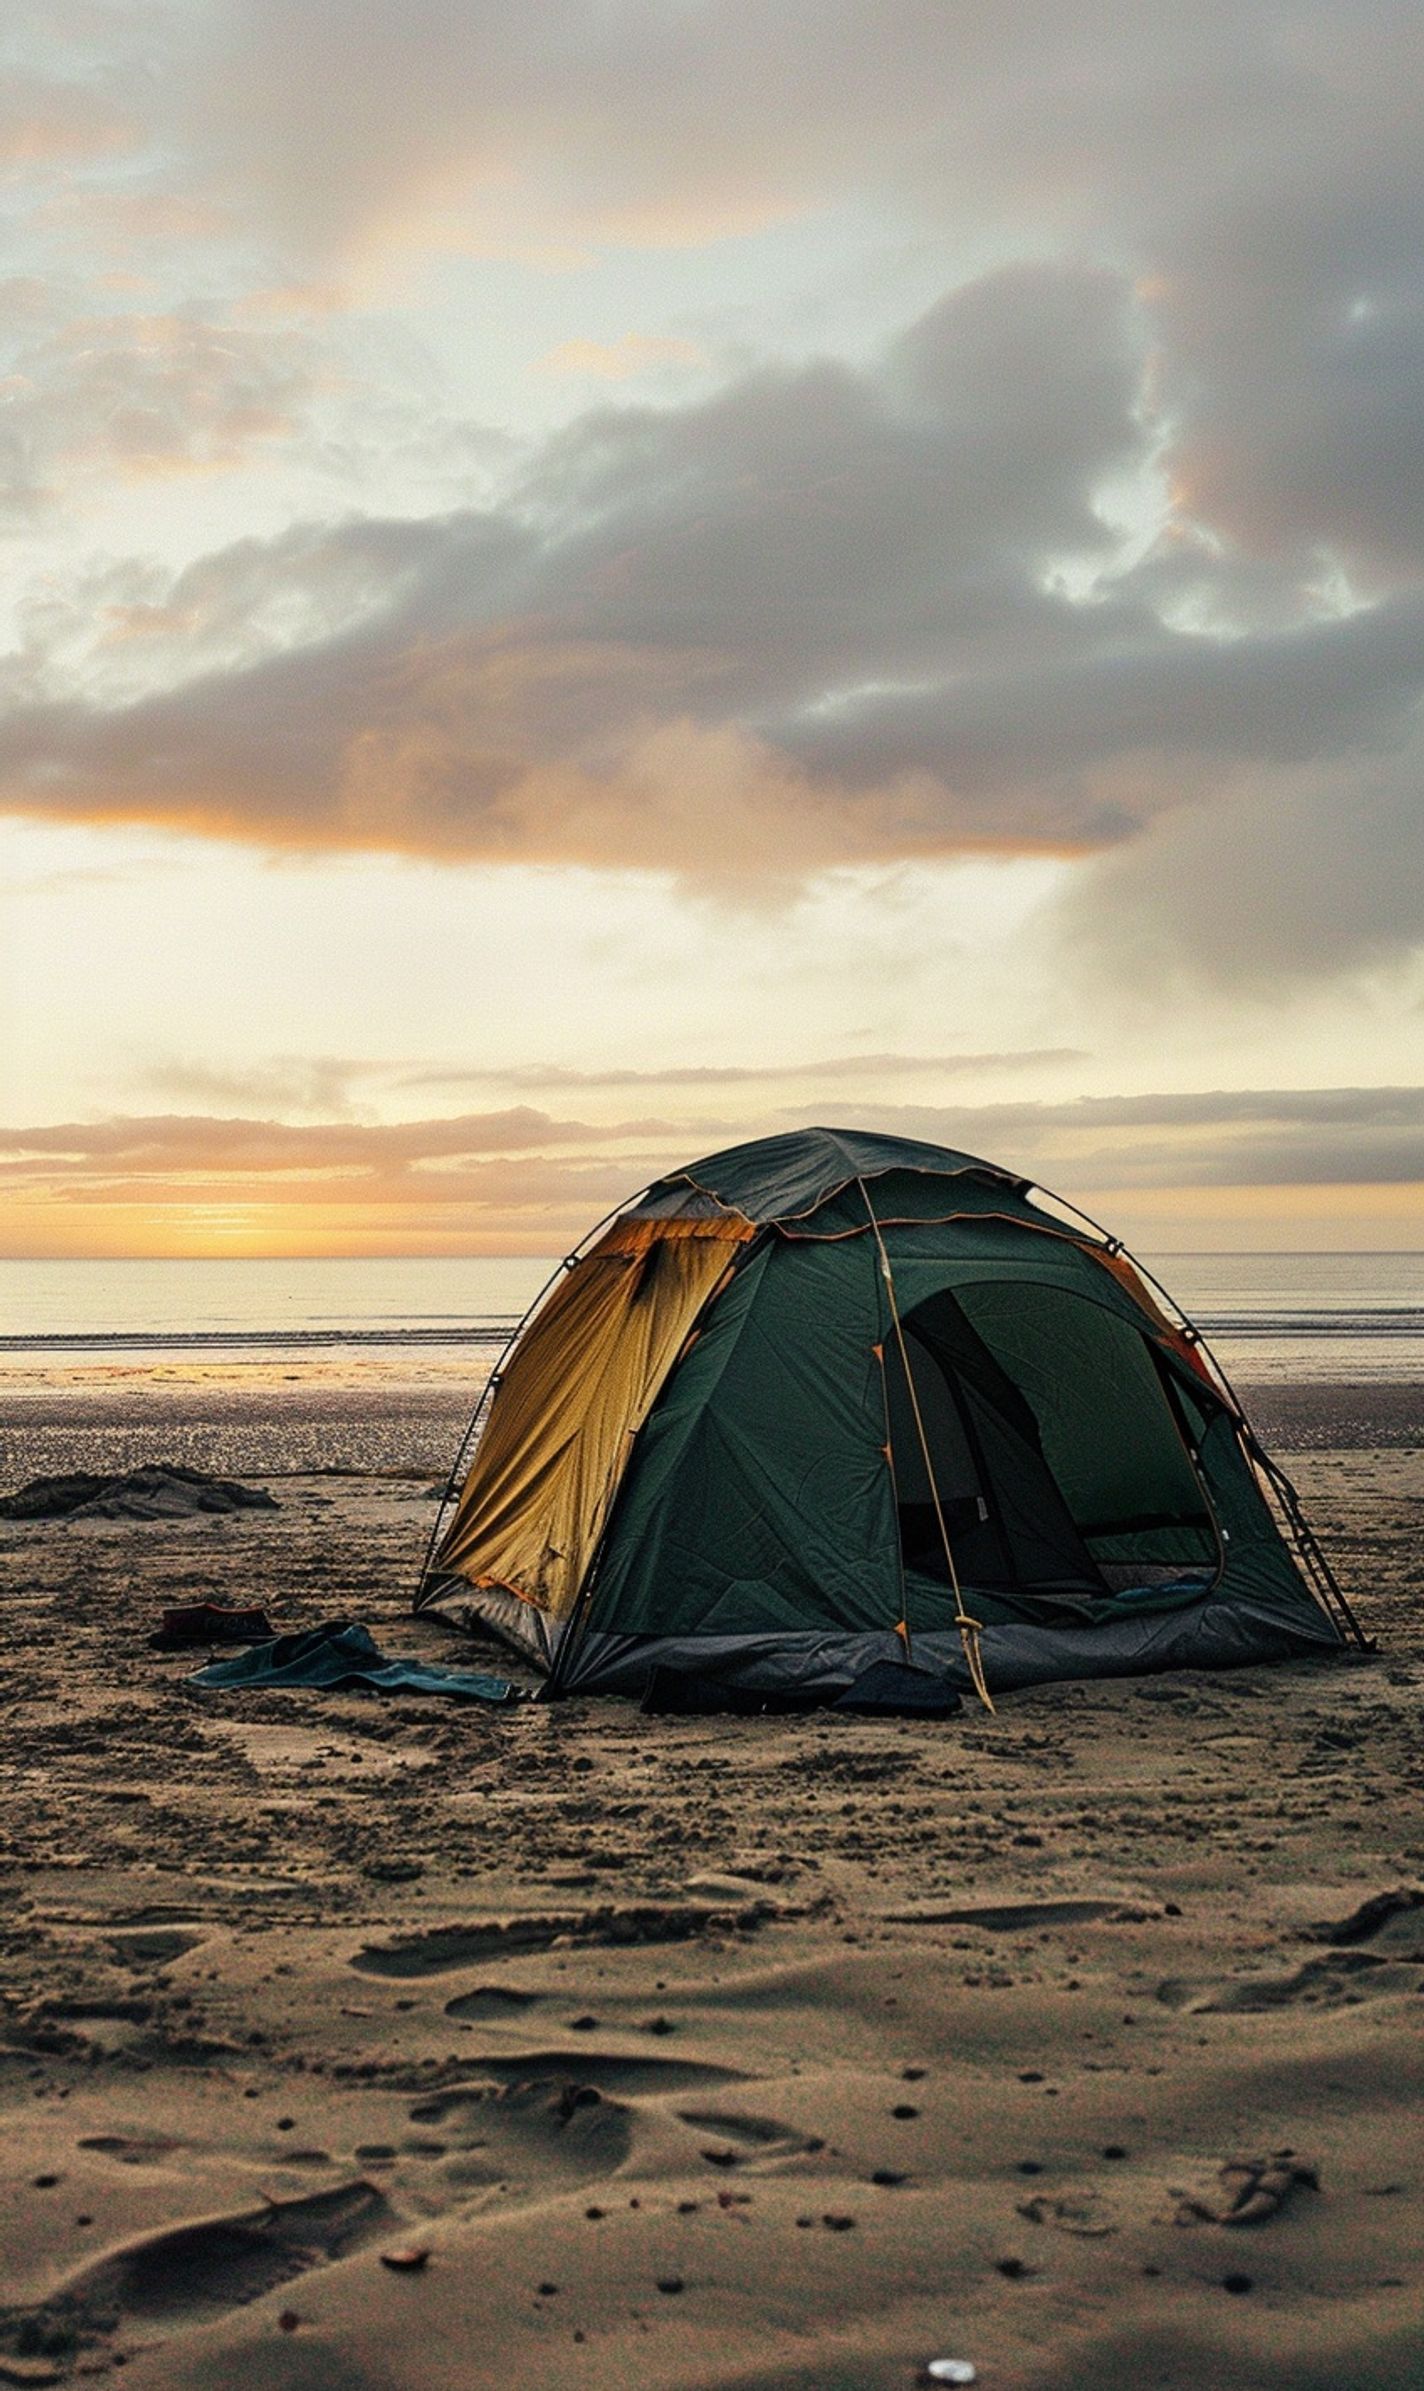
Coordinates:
[688,2052]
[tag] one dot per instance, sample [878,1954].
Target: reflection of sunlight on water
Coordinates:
[358,1369]
[420,1296]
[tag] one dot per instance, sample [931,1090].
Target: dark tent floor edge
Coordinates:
[1211,1635]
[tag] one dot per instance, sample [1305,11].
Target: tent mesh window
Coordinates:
[1063,1473]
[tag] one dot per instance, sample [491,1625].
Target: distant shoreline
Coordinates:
[198,1340]
[1369,1323]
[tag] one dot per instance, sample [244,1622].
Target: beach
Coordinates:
[395,2044]
[711,917]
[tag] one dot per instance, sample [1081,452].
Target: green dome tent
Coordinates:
[833,1398]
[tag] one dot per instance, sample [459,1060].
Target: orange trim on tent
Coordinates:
[1128,1277]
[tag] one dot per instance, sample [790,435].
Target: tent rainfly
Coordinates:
[832,1398]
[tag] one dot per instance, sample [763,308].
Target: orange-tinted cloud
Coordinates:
[617,360]
[48,123]
[521,1180]
[164,1144]
[126,396]
[516,1180]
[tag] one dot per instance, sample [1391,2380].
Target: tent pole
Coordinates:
[1312,1553]
[970,1630]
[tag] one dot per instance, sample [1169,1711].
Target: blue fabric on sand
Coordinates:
[341,1652]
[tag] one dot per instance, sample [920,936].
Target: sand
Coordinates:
[691,2053]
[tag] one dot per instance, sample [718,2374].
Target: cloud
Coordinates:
[318,1084]
[1286,886]
[169,1143]
[616,360]
[1256,169]
[88,399]
[1251,1137]
[637,122]
[717,1075]
[159,1182]
[624,122]
[1118,552]
[509,1166]
[814,617]
[48,124]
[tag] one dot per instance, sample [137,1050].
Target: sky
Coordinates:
[583,583]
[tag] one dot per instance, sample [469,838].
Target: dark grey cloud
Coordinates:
[1291,882]
[1257,166]
[1283,698]
[1121,546]
[813,616]
[1248,1137]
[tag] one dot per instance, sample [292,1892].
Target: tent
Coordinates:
[832,1398]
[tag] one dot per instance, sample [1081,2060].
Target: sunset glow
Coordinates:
[547,635]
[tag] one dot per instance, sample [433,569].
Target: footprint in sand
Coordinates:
[446,1947]
[1080,2213]
[187,2274]
[1335,1979]
[1391,1923]
[559,2115]
[1252,2191]
[747,2135]
[528,2131]
[491,2001]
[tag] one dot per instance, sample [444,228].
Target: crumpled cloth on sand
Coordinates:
[341,1652]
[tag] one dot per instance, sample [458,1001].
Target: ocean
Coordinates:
[374,1366]
[1356,1316]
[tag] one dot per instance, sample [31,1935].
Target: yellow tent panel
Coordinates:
[582,1380]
